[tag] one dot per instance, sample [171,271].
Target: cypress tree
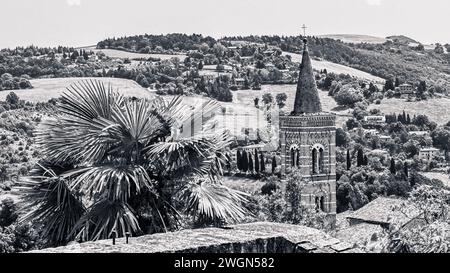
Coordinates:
[412,180]
[400,118]
[365,161]
[263,162]
[244,161]
[250,162]
[239,160]
[392,168]
[349,160]
[274,164]
[256,162]
[360,158]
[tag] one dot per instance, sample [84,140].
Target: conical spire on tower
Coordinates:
[307,97]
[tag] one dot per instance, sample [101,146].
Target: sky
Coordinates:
[86,22]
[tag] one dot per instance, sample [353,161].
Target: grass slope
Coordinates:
[45,89]
[438,109]
[246,97]
[337,68]
[355,38]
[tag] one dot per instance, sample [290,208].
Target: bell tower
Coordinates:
[308,142]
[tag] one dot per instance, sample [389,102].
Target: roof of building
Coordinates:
[418,132]
[430,149]
[251,237]
[386,211]
[266,147]
[378,117]
[358,234]
[378,151]
[307,97]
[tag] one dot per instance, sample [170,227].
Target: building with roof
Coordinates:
[406,89]
[384,138]
[385,212]
[378,152]
[428,154]
[419,133]
[375,119]
[308,142]
[240,82]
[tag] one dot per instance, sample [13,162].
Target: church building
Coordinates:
[308,142]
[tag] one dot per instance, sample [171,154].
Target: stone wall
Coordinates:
[261,237]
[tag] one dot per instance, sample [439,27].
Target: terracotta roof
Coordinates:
[384,211]
[358,234]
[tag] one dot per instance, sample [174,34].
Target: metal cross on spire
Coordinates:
[304,29]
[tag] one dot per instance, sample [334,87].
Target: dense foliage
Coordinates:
[433,236]
[157,43]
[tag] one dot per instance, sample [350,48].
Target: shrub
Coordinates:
[269,188]
[8,212]
[12,98]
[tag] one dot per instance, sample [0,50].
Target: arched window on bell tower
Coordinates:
[292,157]
[314,161]
[317,158]
[320,160]
[295,156]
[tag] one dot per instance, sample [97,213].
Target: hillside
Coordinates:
[437,109]
[355,38]
[336,68]
[387,61]
[46,89]
[402,39]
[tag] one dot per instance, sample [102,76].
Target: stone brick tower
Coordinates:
[308,142]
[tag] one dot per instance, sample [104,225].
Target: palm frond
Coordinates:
[89,99]
[215,202]
[199,154]
[117,182]
[81,133]
[50,201]
[105,217]
[137,126]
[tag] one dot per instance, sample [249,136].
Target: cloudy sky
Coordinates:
[85,22]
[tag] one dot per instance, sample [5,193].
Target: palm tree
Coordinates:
[113,164]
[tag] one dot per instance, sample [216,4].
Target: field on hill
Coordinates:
[337,68]
[232,116]
[437,109]
[45,89]
[121,54]
[242,113]
[328,103]
[355,38]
